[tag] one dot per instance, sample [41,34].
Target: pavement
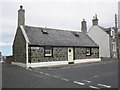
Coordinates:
[97,75]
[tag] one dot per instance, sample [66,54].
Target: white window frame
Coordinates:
[113,33]
[34,48]
[47,51]
[88,51]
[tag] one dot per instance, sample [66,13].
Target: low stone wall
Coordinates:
[8,59]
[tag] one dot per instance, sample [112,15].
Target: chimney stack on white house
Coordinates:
[21,16]
[84,26]
[95,20]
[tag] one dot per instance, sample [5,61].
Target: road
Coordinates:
[96,75]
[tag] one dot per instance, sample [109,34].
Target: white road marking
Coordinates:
[56,76]
[41,72]
[30,69]
[37,71]
[94,87]
[104,85]
[65,79]
[87,81]
[96,76]
[104,74]
[47,74]
[78,82]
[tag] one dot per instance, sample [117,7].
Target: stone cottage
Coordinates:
[39,47]
[105,38]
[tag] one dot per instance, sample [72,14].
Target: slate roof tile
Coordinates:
[57,37]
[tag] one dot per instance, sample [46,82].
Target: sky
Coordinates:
[63,14]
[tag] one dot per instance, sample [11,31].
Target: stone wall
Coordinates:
[8,59]
[60,54]
[19,47]
[80,53]
[37,55]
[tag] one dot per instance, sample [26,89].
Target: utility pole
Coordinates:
[116,34]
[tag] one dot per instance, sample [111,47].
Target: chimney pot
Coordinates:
[21,7]
[95,20]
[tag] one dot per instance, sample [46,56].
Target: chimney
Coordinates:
[83,26]
[95,20]
[21,16]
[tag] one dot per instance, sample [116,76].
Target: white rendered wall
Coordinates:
[102,39]
[119,14]
[55,63]
[87,60]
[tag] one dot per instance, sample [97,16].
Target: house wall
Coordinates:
[119,14]
[80,53]
[102,39]
[19,47]
[37,55]
[60,54]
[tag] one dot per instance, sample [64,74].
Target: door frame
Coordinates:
[70,61]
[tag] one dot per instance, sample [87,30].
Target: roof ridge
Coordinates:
[68,30]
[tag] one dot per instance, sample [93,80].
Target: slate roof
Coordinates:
[107,30]
[57,37]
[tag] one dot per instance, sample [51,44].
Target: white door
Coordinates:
[70,55]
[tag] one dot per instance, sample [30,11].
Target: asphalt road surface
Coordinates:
[94,75]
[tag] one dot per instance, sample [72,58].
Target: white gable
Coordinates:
[102,39]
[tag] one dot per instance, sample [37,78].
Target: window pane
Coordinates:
[47,52]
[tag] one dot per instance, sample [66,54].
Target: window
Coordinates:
[113,33]
[76,34]
[114,46]
[44,31]
[48,51]
[88,51]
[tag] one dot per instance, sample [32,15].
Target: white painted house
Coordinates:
[105,38]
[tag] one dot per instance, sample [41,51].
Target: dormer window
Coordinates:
[76,34]
[44,31]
